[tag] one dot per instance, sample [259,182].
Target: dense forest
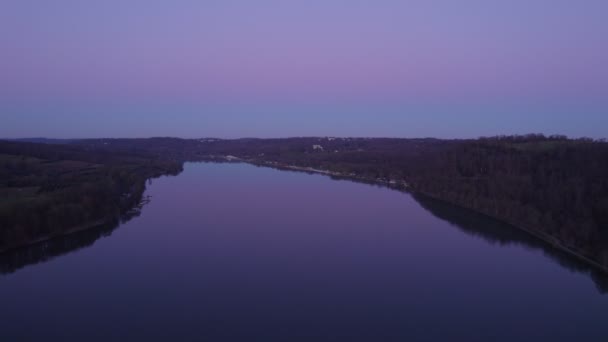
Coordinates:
[49,189]
[553,187]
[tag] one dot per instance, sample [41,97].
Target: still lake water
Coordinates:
[233,252]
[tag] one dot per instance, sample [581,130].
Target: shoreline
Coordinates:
[547,239]
[398,185]
[404,186]
[80,228]
[73,230]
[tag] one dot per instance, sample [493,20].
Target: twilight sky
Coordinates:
[273,68]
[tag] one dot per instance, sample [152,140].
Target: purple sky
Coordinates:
[230,68]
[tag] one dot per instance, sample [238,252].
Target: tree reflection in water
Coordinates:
[502,234]
[44,251]
[467,221]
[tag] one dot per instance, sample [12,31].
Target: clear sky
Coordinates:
[273,68]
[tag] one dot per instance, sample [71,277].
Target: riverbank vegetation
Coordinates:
[554,188]
[50,189]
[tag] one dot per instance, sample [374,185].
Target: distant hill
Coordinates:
[42,140]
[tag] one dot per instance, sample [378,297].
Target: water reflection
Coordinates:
[468,222]
[16,259]
[501,234]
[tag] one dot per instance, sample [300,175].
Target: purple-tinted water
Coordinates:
[232,252]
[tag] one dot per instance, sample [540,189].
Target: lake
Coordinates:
[234,252]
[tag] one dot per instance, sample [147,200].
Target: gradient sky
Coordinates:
[232,68]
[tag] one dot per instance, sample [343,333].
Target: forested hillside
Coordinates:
[555,188]
[48,190]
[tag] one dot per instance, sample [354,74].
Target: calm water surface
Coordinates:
[232,252]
